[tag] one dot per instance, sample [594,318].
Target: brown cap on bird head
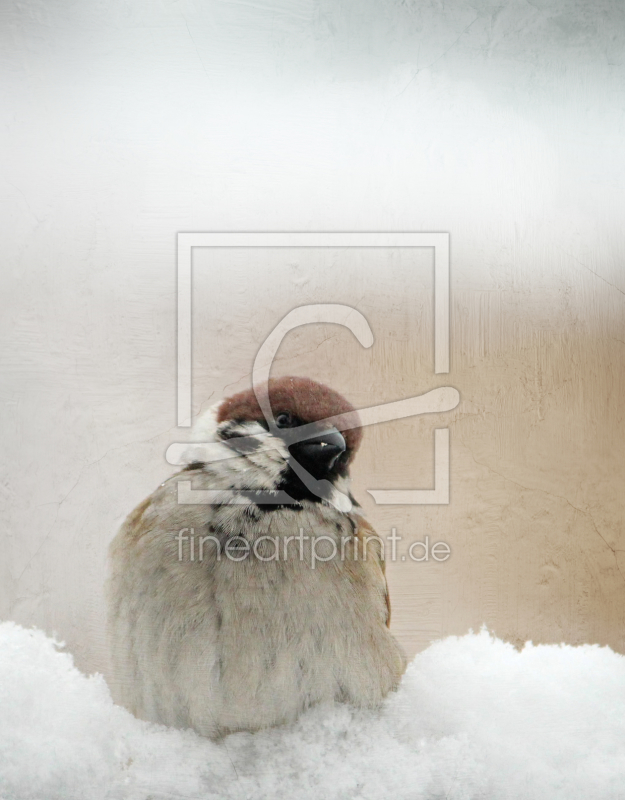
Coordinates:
[304,398]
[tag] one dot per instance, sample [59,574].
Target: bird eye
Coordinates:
[285,420]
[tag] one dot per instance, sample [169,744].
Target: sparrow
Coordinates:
[260,589]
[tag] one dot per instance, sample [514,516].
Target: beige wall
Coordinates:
[535,520]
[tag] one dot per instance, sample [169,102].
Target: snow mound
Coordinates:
[474,718]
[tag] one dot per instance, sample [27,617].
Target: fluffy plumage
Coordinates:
[265,603]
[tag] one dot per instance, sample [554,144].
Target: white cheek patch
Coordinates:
[208,446]
[205,447]
[194,453]
[264,463]
[205,427]
[270,459]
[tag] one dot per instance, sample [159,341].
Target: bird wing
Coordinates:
[370,543]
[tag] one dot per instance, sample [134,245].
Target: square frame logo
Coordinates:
[437,400]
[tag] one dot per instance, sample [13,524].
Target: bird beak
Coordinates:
[318,454]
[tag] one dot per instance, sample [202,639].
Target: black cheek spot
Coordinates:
[243,445]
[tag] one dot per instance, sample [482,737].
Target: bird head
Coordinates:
[306,442]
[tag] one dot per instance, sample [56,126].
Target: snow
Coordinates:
[474,718]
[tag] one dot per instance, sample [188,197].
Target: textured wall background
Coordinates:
[502,123]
